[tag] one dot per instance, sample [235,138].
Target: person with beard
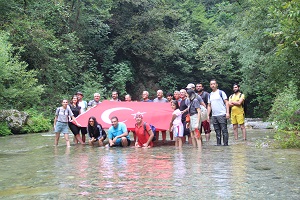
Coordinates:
[236,101]
[205,124]
[218,105]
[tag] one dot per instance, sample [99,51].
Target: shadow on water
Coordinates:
[32,168]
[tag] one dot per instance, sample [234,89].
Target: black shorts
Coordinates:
[186,131]
[75,129]
[83,130]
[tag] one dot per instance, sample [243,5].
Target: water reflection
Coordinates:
[33,169]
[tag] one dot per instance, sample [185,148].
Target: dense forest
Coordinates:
[51,49]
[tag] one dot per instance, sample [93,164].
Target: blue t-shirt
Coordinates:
[114,132]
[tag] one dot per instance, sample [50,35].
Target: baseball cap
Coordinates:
[79,93]
[190,85]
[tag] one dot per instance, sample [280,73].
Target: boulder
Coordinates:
[15,119]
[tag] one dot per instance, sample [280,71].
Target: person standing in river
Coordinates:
[76,110]
[61,120]
[83,107]
[161,99]
[205,124]
[218,105]
[236,102]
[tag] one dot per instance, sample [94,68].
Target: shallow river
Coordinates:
[32,168]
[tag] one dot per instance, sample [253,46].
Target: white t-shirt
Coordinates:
[218,106]
[177,120]
[83,106]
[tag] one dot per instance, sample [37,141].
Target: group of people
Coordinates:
[194,109]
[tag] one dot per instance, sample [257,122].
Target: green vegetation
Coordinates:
[284,113]
[4,130]
[52,48]
[36,123]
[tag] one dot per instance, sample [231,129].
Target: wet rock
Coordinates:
[257,123]
[15,119]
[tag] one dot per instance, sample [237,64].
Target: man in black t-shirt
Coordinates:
[205,124]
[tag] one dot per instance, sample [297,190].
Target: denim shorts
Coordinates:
[61,127]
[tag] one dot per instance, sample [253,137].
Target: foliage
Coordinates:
[288,139]
[135,45]
[36,123]
[19,87]
[4,129]
[283,113]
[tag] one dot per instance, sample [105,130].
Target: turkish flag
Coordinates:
[157,114]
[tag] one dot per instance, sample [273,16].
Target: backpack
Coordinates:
[244,105]
[153,130]
[220,93]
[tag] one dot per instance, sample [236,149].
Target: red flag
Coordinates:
[157,114]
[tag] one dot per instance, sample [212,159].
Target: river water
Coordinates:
[32,168]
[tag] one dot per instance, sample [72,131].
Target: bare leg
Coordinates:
[180,143]
[164,136]
[78,139]
[199,142]
[176,141]
[207,136]
[83,138]
[171,135]
[235,131]
[67,139]
[91,143]
[124,142]
[193,139]
[244,131]
[56,139]
[100,142]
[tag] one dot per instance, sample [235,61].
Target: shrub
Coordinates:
[36,123]
[283,113]
[4,130]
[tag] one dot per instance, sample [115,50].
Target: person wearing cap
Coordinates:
[143,131]
[95,101]
[191,86]
[195,119]
[81,103]
[83,107]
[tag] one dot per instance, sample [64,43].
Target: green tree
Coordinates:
[19,87]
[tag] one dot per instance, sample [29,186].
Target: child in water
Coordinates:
[176,125]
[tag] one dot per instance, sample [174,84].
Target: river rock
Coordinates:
[257,123]
[15,119]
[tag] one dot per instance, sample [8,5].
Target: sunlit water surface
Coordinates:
[32,168]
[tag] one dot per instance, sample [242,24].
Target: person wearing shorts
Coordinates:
[61,120]
[176,125]
[118,134]
[237,111]
[195,115]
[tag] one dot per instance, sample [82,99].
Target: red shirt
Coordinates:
[142,135]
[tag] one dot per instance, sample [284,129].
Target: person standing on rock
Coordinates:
[61,120]
[218,105]
[236,102]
